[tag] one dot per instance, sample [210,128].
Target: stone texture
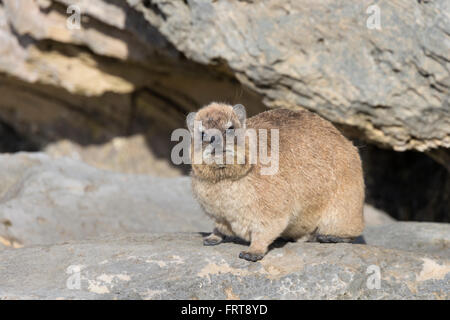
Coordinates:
[375,217]
[140,237]
[177,266]
[391,84]
[426,238]
[121,154]
[116,76]
[44,201]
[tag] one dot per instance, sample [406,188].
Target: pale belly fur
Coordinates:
[230,202]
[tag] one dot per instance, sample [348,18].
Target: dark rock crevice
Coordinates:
[408,185]
[11,141]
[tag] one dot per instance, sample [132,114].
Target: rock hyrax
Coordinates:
[316,194]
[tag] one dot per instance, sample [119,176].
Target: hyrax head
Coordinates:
[214,130]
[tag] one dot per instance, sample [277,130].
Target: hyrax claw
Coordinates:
[253,257]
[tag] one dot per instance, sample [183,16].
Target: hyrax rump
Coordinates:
[316,194]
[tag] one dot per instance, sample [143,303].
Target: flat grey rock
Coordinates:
[422,237]
[45,201]
[137,237]
[178,266]
[375,217]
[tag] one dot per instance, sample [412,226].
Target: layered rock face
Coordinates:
[115,76]
[391,85]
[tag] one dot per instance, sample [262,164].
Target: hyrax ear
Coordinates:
[190,121]
[239,110]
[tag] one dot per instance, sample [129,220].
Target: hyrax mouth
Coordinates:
[219,157]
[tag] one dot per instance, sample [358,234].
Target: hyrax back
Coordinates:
[317,192]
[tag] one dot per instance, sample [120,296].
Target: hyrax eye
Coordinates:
[230,129]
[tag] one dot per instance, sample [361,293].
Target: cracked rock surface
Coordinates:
[177,266]
[71,231]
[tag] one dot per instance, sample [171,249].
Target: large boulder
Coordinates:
[117,75]
[137,63]
[391,84]
[71,231]
[45,201]
[177,266]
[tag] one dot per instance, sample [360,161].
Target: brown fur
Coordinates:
[318,189]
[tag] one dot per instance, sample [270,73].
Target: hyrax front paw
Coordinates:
[212,240]
[249,256]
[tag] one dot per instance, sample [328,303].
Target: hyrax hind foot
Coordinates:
[250,256]
[330,239]
[261,241]
[214,238]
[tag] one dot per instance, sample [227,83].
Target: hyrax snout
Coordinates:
[302,180]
